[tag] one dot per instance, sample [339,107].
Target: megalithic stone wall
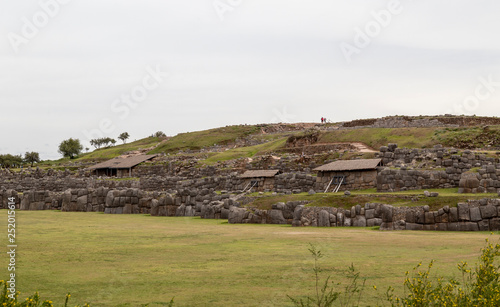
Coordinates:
[487,179]
[480,215]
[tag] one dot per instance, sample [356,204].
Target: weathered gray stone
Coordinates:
[323,219]
[370,213]
[276,217]
[359,221]
[413,226]
[463,212]
[453,214]
[468,226]
[442,226]
[387,212]
[127,209]
[495,224]
[475,214]
[429,218]
[387,226]
[484,225]
[236,215]
[488,211]
[399,225]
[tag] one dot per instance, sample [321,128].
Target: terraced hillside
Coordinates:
[247,141]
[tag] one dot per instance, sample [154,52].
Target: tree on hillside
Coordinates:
[31,157]
[159,134]
[9,160]
[124,136]
[97,143]
[70,148]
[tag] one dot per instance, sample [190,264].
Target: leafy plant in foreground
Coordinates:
[326,296]
[479,286]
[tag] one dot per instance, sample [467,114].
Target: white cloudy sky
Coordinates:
[266,61]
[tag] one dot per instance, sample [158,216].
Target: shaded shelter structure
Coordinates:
[348,175]
[259,180]
[120,166]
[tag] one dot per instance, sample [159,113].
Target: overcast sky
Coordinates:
[88,68]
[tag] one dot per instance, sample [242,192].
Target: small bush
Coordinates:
[9,300]
[479,286]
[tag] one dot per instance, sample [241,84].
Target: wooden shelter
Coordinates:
[120,166]
[348,175]
[259,180]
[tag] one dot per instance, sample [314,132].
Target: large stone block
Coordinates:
[453,214]
[429,218]
[323,219]
[484,225]
[468,226]
[370,213]
[387,213]
[359,221]
[488,211]
[475,214]
[414,226]
[276,217]
[463,212]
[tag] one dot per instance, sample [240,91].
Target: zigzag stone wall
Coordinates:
[481,215]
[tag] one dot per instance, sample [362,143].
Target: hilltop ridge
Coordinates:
[326,141]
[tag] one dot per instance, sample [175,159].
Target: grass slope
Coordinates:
[129,260]
[107,153]
[111,152]
[470,138]
[246,152]
[206,138]
[376,137]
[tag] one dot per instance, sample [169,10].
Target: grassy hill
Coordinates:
[376,137]
[239,141]
[206,138]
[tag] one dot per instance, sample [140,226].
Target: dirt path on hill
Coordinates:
[360,147]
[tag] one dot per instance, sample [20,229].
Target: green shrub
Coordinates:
[479,286]
[11,300]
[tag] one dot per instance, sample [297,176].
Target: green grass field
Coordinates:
[412,198]
[129,260]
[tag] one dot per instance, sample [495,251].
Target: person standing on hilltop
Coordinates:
[322,119]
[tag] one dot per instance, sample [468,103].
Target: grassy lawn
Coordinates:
[129,260]
[447,197]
